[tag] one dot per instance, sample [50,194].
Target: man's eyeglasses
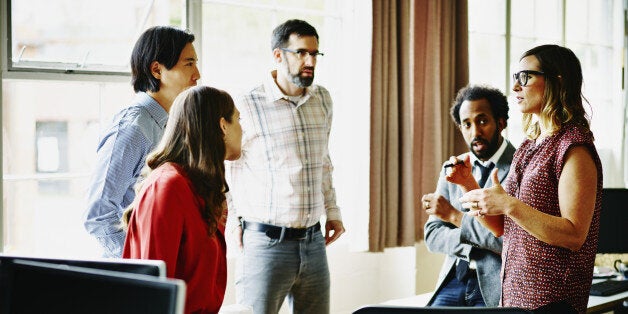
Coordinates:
[302,53]
[522,77]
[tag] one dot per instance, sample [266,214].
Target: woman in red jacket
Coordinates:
[180,212]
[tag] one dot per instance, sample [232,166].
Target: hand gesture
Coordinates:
[489,201]
[460,172]
[437,205]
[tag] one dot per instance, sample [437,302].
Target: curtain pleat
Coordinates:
[419,62]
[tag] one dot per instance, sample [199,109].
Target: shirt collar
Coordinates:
[271,87]
[498,154]
[156,111]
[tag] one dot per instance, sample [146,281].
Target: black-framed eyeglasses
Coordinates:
[302,53]
[522,77]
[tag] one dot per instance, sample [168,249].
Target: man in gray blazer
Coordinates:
[470,275]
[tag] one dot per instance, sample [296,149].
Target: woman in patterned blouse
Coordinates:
[548,209]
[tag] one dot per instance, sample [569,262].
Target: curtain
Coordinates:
[419,62]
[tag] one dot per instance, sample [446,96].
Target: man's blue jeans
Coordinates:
[456,293]
[268,271]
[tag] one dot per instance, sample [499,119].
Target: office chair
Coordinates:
[392,309]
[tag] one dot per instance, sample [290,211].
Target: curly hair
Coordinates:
[497,100]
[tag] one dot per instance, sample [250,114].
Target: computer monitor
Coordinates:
[613,218]
[36,287]
[146,267]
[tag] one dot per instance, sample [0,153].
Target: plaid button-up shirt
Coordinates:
[284,176]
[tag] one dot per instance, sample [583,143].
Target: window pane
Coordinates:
[229,62]
[49,144]
[487,16]
[589,22]
[489,61]
[595,34]
[537,19]
[252,56]
[80,35]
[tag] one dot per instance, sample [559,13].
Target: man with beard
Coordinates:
[282,183]
[470,273]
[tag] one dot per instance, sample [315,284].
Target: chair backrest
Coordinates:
[393,309]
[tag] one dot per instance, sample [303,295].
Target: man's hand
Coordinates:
[437,205]
[461,173]
[337,228]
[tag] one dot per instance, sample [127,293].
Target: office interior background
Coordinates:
[65,73]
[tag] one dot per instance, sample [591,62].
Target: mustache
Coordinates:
[478,139]
[307,68]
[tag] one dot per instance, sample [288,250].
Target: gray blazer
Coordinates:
[471,240]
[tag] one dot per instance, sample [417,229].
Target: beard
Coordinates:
[297,79]
[300,81]
[491,145]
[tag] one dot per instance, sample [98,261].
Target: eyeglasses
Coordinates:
[522,77]
[302,53]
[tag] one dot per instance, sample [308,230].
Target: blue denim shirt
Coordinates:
[121,155]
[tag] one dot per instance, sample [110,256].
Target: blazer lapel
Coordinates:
[503,164]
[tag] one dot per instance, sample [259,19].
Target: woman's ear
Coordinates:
[155,69]
[223,125]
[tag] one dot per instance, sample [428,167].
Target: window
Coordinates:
[52,118]
[52,112]
[500,31]
[82,36]
[51,150]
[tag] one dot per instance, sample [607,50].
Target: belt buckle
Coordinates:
[296,234]
[302,235]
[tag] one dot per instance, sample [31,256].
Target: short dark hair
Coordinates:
[281,34]
[162,44]
[497,100]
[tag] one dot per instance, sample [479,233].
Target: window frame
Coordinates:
[59,68]
[617,157]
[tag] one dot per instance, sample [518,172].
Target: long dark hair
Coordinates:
[194,140]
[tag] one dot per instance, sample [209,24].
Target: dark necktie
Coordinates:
[462,268]
[486,172]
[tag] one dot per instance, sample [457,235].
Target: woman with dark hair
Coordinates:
[549,207]
[179,213]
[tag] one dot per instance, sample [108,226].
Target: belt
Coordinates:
[275,232]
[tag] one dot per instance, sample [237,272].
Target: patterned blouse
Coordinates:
[536,273]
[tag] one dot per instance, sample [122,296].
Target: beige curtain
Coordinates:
[419,62]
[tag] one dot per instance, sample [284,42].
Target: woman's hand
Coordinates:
[489,201]
[493,202]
